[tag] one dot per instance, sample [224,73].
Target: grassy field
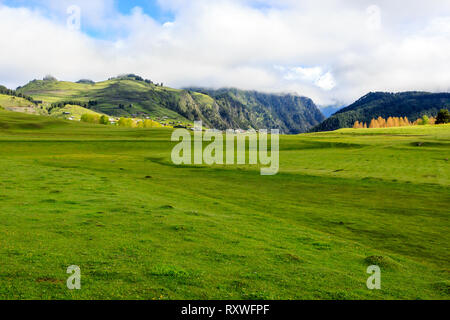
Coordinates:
[110,201]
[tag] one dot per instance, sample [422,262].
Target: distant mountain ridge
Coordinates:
[375,104]
[132,96]
[330,110]
[290,113]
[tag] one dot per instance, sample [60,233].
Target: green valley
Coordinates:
[109,200]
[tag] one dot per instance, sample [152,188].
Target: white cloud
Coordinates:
[307,74]
[310,76]
[326,82]
[349,47]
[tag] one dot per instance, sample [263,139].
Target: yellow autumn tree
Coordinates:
[151,124]
[126,122]
[373,124]
[381,122]
[390,122]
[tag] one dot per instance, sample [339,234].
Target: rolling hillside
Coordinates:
[19,104]
[410,104]
[131,96]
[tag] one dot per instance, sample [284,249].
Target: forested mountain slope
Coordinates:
[373,105]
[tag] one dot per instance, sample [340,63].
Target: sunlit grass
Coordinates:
[110,201]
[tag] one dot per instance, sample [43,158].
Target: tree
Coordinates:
[390,122]
[122,122]
[86,81]
[373,124]
[396,122]
[425,120]
[432,120]
[126,122]
[50,78]
[85,117]
[151,124]
[356,125]
[381,122]
[443,117]
[90,118]
[104,120]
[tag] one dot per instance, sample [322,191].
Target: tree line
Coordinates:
[123,122]
[14,93]
[62,104]
[132,123]
[132,76]
[391,122]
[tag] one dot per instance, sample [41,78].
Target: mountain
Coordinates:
[410,104]
[288,112]
[132,96]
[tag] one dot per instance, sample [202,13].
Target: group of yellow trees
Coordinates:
[94,118]
[123,122]
[131,123]
[393,122]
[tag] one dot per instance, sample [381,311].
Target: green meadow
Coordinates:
[110,201]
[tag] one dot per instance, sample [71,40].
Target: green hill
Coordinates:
[410,104]
[19,104]
[7,101]
[131,96]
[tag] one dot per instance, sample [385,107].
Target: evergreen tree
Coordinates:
[443,117]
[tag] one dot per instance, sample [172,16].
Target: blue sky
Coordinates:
[333,51]
[152,8]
